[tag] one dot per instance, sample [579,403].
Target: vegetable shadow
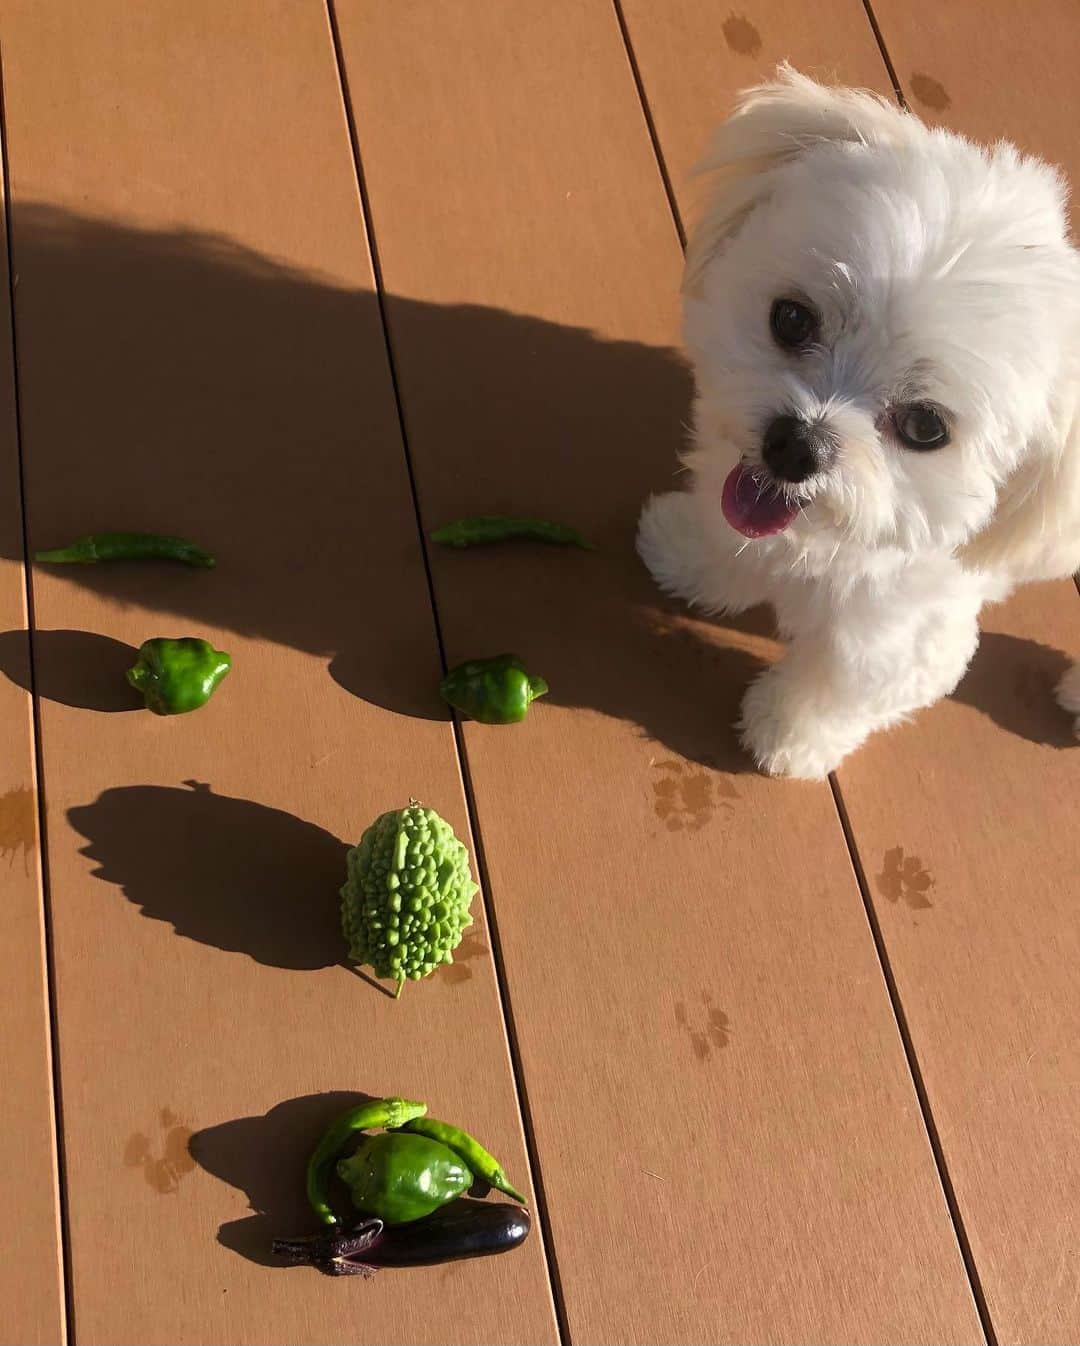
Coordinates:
[265,1158]
[261,393]
[224,871]
[76,668]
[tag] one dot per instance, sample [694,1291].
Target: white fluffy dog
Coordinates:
[884,323]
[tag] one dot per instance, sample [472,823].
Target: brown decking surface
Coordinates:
[780,1063]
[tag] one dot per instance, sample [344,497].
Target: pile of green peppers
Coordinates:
[403,1176]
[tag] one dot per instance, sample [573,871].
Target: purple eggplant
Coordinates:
[464,1228]
[335,1252]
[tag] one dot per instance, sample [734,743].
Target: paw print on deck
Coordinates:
[163,1170]
[930,91]
[472,946]
[904,878]
[714,1030]
[741,35]
[18,822]
[686,798]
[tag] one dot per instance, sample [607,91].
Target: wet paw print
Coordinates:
[903,878]
[18,823]
[715,1029]
[930,92]
[472,946]
[163,1170]
[741,35]
[685,799]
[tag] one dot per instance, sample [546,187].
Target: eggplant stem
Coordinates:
[333,1252]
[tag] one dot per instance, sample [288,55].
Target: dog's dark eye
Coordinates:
[921,427]
[792,323]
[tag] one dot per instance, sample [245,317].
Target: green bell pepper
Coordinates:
[176,676]
[493,691]
[396,1177]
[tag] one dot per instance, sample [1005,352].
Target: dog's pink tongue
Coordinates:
[753,509]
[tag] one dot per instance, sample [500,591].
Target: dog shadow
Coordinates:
[265,1158]
[256,468]
[226,872]
[255,462]
[1013,680]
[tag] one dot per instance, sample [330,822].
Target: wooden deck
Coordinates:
[781,1063]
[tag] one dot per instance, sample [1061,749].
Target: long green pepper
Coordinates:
[488,528]
[127,547]
[468,1149]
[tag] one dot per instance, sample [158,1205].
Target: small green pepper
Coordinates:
[391,1112]
[127,547]
[397,1178]
[468,1149]
[176,676]
[500,528]
[493,691]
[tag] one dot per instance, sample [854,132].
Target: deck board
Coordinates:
[985,973]
[730,1144]
[708,1047]
[201,352]
[31,1276]
[693,58]
[988,975]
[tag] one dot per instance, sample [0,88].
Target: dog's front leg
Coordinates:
[692,554]
[867,668]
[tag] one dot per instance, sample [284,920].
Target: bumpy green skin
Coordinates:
[176,676]
[406,900]
[488,528]
[398,1178]
[493,691]
[389,1112]
[127,547]
[468,1149]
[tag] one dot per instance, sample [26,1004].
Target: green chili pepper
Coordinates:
[398,1178]
[499,528]
[176,676]
[391,1112]
[493,691]
[128,547]
[469,1151]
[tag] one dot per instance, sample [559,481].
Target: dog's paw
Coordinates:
[667,542]
[1068,694]
[687,557]
[787,736]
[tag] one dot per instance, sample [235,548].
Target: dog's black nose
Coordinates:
[794,450]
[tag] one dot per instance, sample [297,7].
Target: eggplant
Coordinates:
[464,1228]
[335,1251]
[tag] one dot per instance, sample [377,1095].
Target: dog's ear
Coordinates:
[773,124]
[1034,532]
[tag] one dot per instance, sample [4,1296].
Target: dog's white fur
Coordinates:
[943,273]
